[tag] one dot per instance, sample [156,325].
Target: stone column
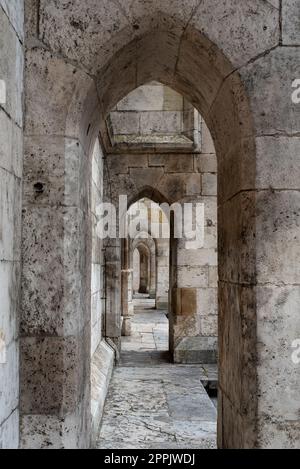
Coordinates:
[127,293]
[162,272]
[55,323]
[152,288]
[112,323]
[144,271]
[127,302]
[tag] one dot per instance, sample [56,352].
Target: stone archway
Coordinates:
[149,244]
[228,76]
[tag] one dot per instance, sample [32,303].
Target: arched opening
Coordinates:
[136,271]
[64,109]
[144,270]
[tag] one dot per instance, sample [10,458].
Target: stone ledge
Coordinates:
[192,350]
[101,370]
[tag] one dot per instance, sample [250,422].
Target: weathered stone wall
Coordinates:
[11,166]
[136,271]
[163,277]
[98,265]
[102,354]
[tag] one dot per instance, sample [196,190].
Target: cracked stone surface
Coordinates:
[151,403]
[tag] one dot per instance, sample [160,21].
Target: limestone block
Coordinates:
[173,163]
[237,246]
[96,336]
[55,172]
[196,350]
[97,245]
[279,379]
[239,166]
[273,112]
[233,420]
[207,302]
[9,432]
[237,312]
[184,301]
[50,431]
[118,78]
[243,29]
[145,98]
[209,326]
[124,184]
[278,162]
[207,144]
[173,186]
[11,151]
[154,66]
[209,184]
[172,14]
[96,279]
[213,277]
[151,97]
[101,372]
[147,177]
[173,101]
[230,117]
[15,12]
[291,22]
[185,326]
[62,277]
[207,69]
[61,90]
[113,303]
[125,123]
[68,30]
[167,122]
[126,326]
[11,67]
[210,210]
[199,257]
[193,184]
[52,374]
[281,435]
[10,216]
[278,237]
[192,277]
[120,164]
[96,305]
[206,163]
[210,237]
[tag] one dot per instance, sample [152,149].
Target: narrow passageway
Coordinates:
[151,403]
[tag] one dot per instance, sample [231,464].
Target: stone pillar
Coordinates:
[127,302]
[162,273]
[112,322]
[11,165]
[152,287]
[144,271]
[126,286]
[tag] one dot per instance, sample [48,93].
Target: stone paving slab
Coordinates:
[153,404]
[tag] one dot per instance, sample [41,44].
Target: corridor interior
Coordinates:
[152,403]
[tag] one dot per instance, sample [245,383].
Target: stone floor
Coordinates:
[151,403]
